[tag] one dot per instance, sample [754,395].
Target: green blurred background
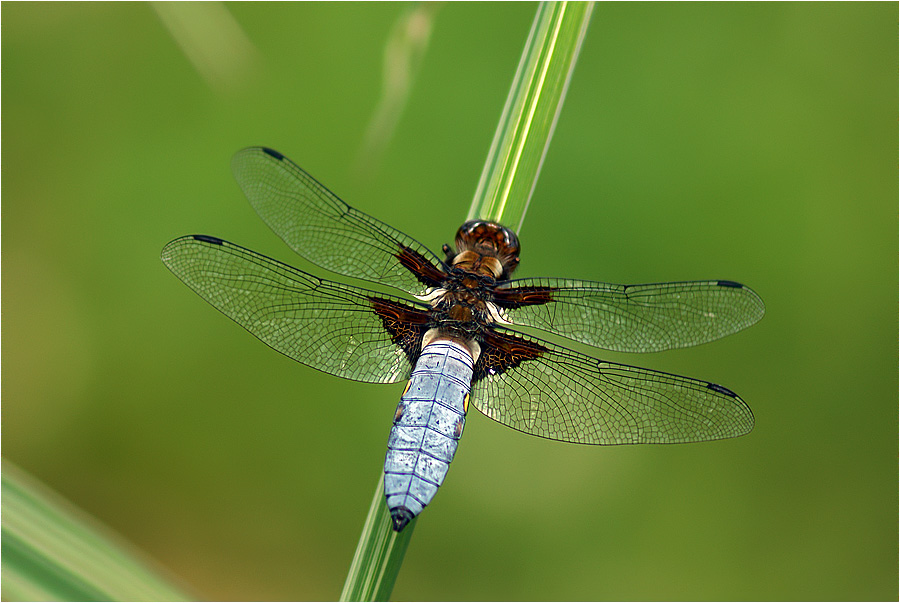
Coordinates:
[753,142]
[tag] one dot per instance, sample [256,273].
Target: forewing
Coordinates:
[328,232]
[632,318]
[548,391]
[335,328]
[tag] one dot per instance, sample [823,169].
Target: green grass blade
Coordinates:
[509,175]
[379,554]
[403,55]
[54,552]
[529,116]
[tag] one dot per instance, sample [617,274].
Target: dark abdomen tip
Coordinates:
[401,516]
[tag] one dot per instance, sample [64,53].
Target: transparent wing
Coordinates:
[548,391]
[325,230]
[632,318]
[328,326]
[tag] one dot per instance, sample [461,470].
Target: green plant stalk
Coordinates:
[531,112]
[379,554]
[504,190]
[54,552]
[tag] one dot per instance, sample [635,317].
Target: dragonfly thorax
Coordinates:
[464,305]
[472,261]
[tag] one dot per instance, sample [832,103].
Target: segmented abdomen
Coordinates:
[427,426]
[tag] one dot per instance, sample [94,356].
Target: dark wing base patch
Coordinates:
[501,352]
[421,267]
[406,325]
[523,296]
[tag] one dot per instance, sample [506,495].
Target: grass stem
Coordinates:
[52,551]
[379,554]
[530,114]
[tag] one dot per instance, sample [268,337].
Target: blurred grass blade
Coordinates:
[54,552]
[403,54]
[212,40]
[529,116]
[379,554]
[513,164]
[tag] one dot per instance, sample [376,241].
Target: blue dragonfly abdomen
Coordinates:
[427,426]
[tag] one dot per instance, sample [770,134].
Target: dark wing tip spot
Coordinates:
[730,284]
[721,390]
[208,239]
[273,153]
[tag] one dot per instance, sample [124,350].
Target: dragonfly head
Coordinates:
[486,247]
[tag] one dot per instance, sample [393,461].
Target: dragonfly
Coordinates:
[453,335]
